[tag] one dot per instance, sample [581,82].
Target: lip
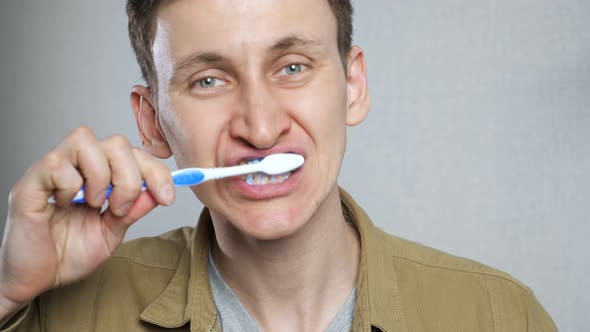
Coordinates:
[267,191]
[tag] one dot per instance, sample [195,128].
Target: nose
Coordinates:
[259,119]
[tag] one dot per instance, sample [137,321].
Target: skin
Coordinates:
[235,80]
[46,246]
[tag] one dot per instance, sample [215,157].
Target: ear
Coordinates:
[359,100]
[148,125]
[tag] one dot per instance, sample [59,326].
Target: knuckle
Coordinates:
[96,175]
[97,182]
[83,132]
[77,140]
[52,161]
[117,141]
[139,154]
[129,187]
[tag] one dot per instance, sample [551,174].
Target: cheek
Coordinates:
[320,109]
[194,129]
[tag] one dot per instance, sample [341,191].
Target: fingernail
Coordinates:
[167,194]
[124,209]
[100,198]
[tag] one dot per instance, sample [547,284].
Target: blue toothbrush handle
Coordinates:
[188,177]
[79,198]
[181,178]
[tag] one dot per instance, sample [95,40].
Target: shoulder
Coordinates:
[410,253]
[429,277]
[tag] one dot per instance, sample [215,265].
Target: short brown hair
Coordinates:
[142,29]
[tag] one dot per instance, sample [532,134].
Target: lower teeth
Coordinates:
[258,179]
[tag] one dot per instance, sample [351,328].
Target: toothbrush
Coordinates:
[274,164]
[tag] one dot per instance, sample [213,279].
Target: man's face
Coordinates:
[239,80]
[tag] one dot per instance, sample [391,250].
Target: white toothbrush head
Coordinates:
[280,163]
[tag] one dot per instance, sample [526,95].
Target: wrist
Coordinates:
[8,309]
[8,305]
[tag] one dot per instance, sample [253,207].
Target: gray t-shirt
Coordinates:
[233,317]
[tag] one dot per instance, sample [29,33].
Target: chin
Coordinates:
[264,224]
[270,226]
[280,216]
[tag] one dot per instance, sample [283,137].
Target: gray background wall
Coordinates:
[478,142]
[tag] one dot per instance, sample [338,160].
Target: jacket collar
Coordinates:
[379,302]
[188,296]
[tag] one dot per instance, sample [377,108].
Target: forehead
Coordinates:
[238,26]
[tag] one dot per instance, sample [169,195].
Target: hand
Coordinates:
[47,246]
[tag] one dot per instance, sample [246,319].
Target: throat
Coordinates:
[307,283]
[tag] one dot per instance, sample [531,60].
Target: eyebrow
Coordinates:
[294,41]
[199,58]
[194,59]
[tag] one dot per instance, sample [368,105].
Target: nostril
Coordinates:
[246,143]
[260,127]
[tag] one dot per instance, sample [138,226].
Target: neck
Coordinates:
[298,282]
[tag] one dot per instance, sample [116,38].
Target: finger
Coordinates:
[53,173]
[116,227]
[67,181]
[156,176]
[82,149]
[125,174]
[46,177]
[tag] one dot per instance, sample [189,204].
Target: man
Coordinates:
[230,82]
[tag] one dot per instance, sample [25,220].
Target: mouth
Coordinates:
[261,179]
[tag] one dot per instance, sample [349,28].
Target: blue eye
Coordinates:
[293,69]
[208,82]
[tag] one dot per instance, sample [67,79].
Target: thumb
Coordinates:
[116,227]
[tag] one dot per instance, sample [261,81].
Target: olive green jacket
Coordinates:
[161,284]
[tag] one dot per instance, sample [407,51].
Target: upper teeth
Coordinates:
[261,178]
[249,162]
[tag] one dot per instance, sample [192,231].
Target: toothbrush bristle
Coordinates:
[282,163]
